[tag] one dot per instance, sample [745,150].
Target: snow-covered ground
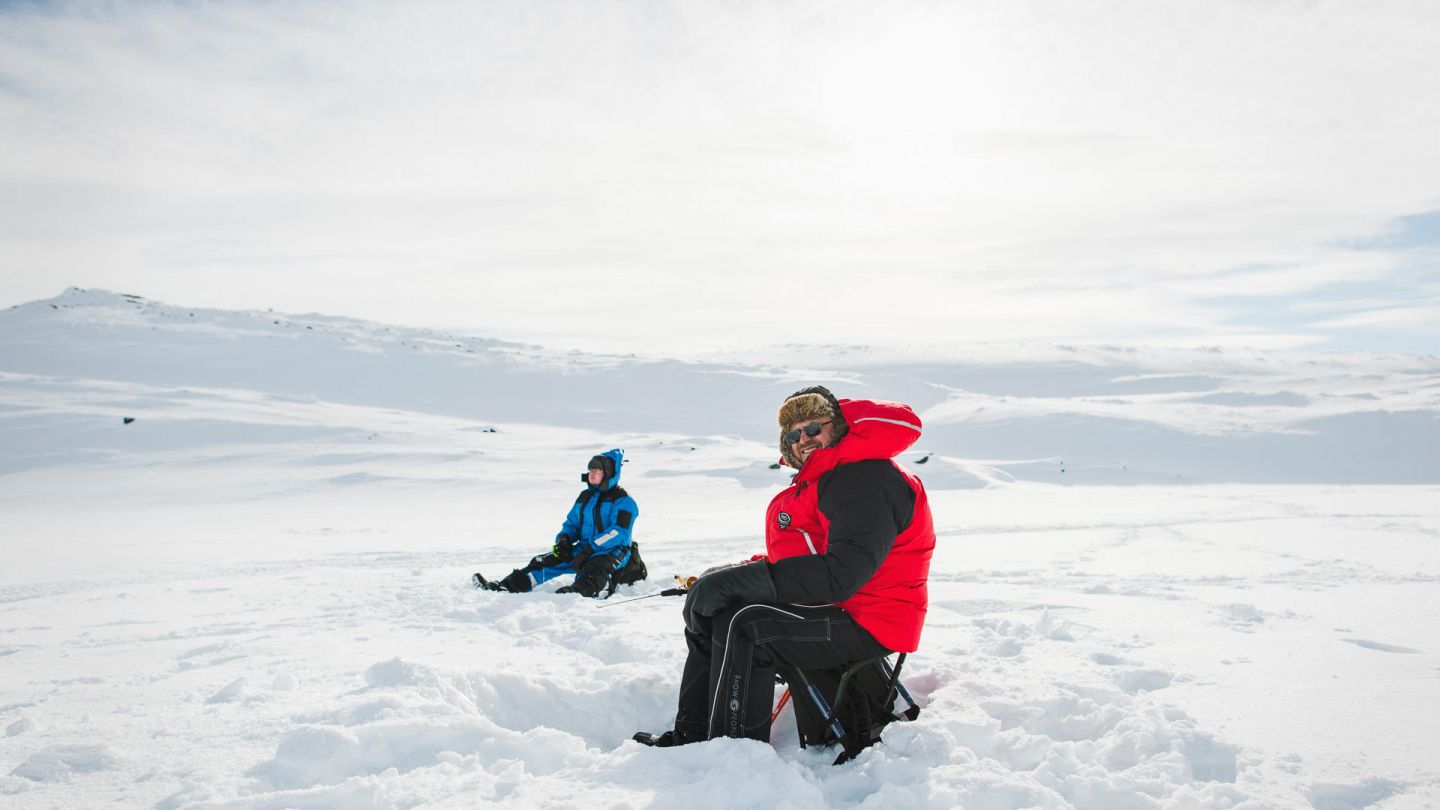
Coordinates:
[256,593]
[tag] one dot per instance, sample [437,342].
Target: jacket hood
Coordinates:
[617,457]
[878,429]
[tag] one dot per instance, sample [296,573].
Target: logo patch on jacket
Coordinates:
[784,519]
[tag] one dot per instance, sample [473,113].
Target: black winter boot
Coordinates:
[484,584]
[517,581]
[592,576]
[665,740]
[581,586]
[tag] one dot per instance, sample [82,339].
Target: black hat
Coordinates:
[602,463]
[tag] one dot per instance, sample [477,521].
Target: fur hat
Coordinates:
[816,404]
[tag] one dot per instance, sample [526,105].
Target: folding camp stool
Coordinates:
[818,718]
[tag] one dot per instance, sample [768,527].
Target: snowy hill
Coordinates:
[255,594]
[1065,414]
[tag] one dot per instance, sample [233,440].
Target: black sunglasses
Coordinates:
[812,430]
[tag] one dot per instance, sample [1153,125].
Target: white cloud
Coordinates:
[965,171]
[1422,317]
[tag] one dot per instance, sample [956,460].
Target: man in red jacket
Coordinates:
[843,577]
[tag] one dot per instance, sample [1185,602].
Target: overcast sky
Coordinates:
[658,176]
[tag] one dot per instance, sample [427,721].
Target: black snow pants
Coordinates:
[728,686]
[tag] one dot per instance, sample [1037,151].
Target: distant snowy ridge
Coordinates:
[1062,414]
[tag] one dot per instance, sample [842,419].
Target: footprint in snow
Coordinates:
[1248,618]
[1135,681]
[1352,797]
[1108,660]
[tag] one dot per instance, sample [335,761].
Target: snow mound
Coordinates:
[60,762]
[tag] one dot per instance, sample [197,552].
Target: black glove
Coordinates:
[581,557]
[740,584]
[563,546]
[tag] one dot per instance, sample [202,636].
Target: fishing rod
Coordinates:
[666,592]
[685,583]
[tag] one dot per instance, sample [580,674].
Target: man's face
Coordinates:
[597,476]
[809,444]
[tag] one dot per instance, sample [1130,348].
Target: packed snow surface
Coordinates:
[255,593]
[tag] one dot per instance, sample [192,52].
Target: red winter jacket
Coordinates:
[884,535]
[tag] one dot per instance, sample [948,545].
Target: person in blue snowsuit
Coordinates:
[593,543]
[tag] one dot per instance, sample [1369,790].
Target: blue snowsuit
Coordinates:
[595,538]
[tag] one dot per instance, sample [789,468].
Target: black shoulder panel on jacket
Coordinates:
[868,504]
[584,494]
[859,478]
[614,494]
